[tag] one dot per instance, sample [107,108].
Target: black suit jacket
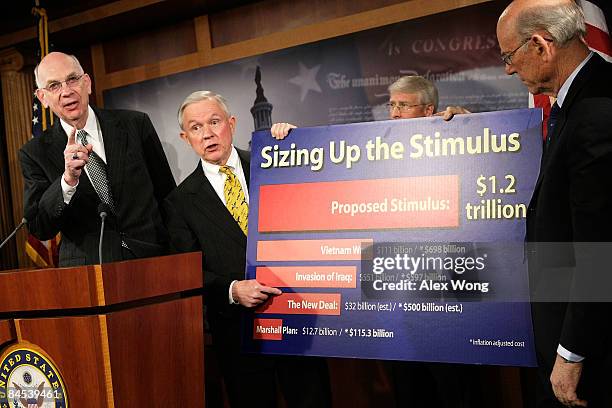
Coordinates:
[139,176]
[569,220]
[199,221]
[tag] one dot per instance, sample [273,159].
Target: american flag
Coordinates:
[43,253]
[597,14]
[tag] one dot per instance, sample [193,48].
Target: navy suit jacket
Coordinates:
[139,176]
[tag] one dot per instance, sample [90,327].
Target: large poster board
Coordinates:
[395,239]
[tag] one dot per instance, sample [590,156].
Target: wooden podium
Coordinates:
[125,334]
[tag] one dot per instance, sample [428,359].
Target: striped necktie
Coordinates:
[97,172]
[235,200]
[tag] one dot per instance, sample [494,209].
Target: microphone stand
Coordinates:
[21,224]
[103,217]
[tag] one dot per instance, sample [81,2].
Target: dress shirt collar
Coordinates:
[232,162]
[91,126]
[568,82]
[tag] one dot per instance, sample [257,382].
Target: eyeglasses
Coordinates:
[71,82]
[507,57]
[402,106]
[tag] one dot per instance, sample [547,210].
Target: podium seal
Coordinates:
[29,378]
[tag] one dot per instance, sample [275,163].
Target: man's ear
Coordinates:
[543,47]
[232,123]
[429,109]
[183,136]
[40,94]
[87,83]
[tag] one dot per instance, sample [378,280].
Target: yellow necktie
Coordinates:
[235,200]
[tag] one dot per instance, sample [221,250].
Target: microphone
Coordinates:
[103,211]
[21,224]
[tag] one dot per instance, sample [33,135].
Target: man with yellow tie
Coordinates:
[208,211]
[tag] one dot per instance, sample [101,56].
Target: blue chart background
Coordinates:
[501,314]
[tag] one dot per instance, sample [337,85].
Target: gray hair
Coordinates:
[563,22]
[410,84]
[77,65]
[198,96]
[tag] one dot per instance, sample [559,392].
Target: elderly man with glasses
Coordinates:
[415,97]
[411,96]
[93,160]
[569,220]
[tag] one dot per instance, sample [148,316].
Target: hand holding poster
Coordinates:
[395,240]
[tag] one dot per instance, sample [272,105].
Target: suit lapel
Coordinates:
[56,143]
[553,144]
[115,144]
[574,90]
[581,80]
[245,160]
[206,200]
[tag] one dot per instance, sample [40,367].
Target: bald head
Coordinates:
[64,87]
[53,59]
[542,42]
[560,20]
[520,5]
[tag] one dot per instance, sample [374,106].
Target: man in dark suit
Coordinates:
[93,156]
[569,221]
[208,213]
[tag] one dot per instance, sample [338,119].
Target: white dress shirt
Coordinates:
[217,178]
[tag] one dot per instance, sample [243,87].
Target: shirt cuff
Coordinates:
[231,299]
[568,355]
[68,190]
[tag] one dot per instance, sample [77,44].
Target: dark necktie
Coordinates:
[97,172]
[552,120]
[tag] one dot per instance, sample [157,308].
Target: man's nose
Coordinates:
[395,112]
[207,131]
[65,89]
